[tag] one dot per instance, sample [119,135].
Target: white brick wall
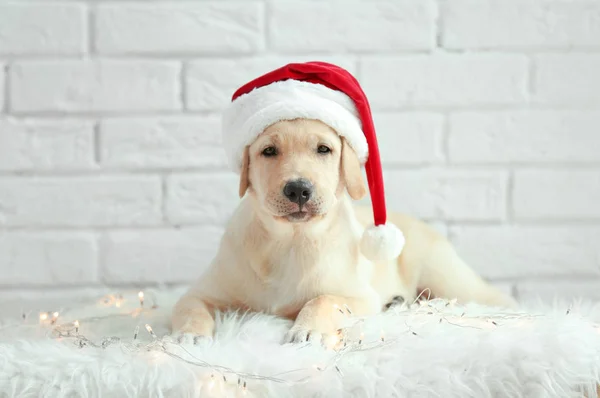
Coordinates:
[112,174]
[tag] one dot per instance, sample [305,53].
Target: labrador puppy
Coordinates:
[291,248]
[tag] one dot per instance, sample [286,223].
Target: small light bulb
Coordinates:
[332,341]
[337,308]
[348,309]
[76,324]
[141,297]
[362,337]
[382,336]
[149,329]
[43,316]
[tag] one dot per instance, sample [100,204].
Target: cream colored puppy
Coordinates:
[292,246]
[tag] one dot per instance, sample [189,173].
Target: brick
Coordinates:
[528,251]
[361,26]
[46,29]
[201,199]
[518,24]
[409,138]
[567,79]
[210,83]
[80,201]
[89,86]
[524,137]
[557,194]
[162,143]
[444,80]
[561,292]
[439,226]
[47,258]
[46,145]
[158,28]
[447,195]
[162,255]
[2,86]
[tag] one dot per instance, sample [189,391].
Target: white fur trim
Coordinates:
[248,116]
[382,242]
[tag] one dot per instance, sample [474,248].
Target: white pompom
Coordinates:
[382,243]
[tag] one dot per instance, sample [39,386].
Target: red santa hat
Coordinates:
[325,92]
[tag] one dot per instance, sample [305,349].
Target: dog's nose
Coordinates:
[298,191]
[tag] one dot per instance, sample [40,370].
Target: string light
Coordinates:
[434,307]
[348,309]
[149,329]
[141,297]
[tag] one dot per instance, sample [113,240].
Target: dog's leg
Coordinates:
[192,316]
[324,315]
[448,276]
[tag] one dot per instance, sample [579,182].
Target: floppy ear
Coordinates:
[244,180]
[351,173]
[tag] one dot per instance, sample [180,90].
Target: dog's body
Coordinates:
[306,264]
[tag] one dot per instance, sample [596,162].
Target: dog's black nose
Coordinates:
[298,191]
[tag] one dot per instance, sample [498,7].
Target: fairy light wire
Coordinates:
[167,344]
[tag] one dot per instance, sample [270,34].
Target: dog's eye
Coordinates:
[323,149]
[269,151]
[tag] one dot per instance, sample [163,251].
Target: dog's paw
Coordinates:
[187,338]
[298,334]
[396,300]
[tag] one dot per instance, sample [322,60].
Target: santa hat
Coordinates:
[325,92]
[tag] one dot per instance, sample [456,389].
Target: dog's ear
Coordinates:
[244,178]
[350,168]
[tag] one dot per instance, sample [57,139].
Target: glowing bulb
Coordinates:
[149,329]
[43,316]
[332,341]
[382,336]
[76,324]
[141,297]
[212,382]
[362,337]
[348,309]
[54,317]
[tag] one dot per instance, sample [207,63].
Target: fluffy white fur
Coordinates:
[550,355]
[250,114]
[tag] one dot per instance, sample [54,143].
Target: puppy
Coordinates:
[291,247]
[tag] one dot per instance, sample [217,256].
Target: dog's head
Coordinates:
[298,169]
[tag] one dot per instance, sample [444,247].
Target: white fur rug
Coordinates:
[439,349]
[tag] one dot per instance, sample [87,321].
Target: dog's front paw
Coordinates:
[187,338]
[302,334]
